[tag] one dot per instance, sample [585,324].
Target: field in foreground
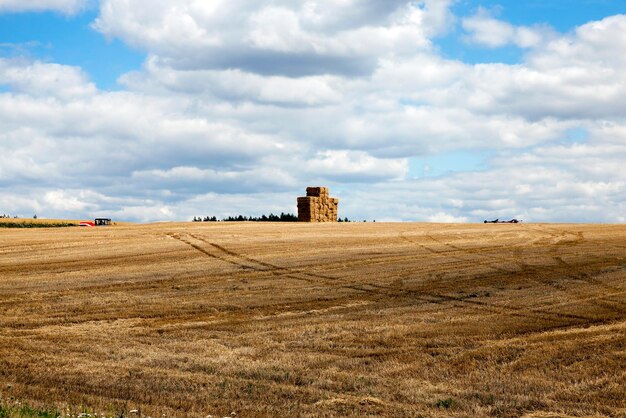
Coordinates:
[316,320]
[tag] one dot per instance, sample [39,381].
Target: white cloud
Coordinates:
[63,6]
[45,79]
[442,217]
[237,85]
[324,37]
[63,201]
[196,180]
[355,166]
[484,29]
[594,45]
[240,105]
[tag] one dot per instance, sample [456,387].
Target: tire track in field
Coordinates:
[578,239]
[227,256]
[522,312]
[386,290]
[525,268]
[306,271]
[246,262]
[433,297]
[281,271]
[456,249]
[85,263]
[561,238]
[344,264]
[269,266]
[488,263]
[453,253]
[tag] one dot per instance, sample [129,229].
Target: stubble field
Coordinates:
[315,320]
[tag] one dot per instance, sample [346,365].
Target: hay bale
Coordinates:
[317,206]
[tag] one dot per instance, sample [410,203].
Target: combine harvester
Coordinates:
[96,222]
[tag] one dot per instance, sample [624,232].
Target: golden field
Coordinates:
[37,221]
[286,320]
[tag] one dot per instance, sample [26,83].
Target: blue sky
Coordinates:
[561,15]
[56,37]
[148,111]
[69,40]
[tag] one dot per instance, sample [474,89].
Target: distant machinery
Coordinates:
[96,222]
[498,221]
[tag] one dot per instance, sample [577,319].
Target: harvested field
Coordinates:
[312,320]
[36,223]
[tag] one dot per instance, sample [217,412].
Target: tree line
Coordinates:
[283,217]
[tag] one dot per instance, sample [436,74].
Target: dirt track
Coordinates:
[313,320]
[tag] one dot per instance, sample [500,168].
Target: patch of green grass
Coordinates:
[26,411]
[445,403]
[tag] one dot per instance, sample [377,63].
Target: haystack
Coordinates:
[317,206]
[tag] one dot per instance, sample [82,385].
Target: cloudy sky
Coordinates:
[431,110]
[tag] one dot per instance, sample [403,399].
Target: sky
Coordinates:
[424,110]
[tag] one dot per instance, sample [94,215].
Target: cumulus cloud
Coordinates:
[45,79]
[281,38]
[531,191]
[355,167]
[240,105]
[236,85]
[63,6]
[593,45]
[484,29]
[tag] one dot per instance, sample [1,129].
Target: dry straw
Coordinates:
[317,206]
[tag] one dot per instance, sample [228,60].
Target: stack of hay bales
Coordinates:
[317,206]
